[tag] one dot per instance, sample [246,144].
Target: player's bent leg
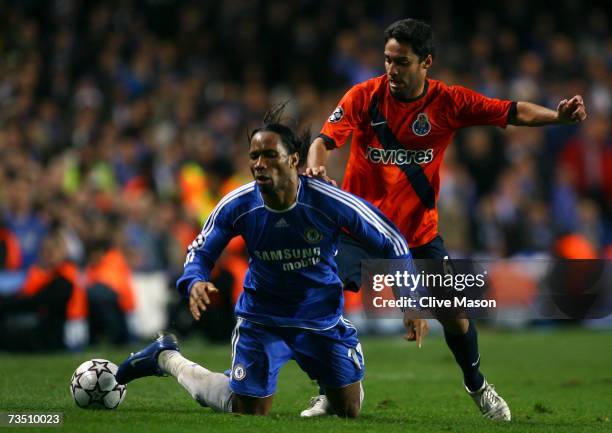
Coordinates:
[334,358]
[346,401]
[461,337]
[211,389]
[162,356]
[252,405]
[208,388]
[258,354]
[320,405]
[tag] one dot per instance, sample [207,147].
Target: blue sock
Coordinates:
[465,349]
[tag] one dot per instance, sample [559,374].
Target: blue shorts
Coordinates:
[333,357]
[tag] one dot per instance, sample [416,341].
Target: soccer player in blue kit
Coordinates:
[293,300]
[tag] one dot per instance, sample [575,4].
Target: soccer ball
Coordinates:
[93,385]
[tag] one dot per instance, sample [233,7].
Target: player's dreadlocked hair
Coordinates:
[294,142]
[417,34]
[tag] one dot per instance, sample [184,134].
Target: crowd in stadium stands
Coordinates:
[123,123]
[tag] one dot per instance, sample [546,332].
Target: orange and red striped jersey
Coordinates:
[398,146]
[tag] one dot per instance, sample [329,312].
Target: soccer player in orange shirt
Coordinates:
[402,123]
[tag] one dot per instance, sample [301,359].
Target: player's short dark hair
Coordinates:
[417,34]
[295,142]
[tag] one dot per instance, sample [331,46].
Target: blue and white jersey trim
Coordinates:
[399,243]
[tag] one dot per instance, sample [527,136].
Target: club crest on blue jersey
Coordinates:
[337,115]
[421,125]
[238,372]
[312,235]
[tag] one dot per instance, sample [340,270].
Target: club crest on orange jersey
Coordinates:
[421,125]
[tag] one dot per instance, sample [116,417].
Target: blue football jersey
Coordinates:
[292,278]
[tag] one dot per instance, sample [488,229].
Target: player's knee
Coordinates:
[349,409]
[251,410]
[258,411]
[346,401]
[251,405]
[352,410]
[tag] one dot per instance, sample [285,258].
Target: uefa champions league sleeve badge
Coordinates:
[337,115]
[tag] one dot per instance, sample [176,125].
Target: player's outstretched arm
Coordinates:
[568,112]
[199,299]
[317,157]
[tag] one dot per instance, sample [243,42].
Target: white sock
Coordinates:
[206,387]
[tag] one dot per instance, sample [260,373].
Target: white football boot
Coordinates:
[490,403]
[319,406]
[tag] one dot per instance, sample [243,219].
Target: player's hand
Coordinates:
[198,297]
[416,329]
[572,110]
[321,173]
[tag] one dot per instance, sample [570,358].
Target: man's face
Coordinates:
[406,73]
[52,252]
[271,165]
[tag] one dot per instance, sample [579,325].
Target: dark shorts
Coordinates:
[351,253]
[432,250]
[431,258]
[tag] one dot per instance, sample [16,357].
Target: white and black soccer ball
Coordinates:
[93,385]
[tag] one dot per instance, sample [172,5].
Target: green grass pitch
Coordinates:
[557,382]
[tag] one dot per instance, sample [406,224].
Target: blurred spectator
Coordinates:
[587,158]
[23,220]
[564,201]
[111,296]
[37,317]
[536,231]
[10,253]
[481,152]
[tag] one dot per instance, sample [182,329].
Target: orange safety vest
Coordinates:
[13,252]
[37,278]
[114,272]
